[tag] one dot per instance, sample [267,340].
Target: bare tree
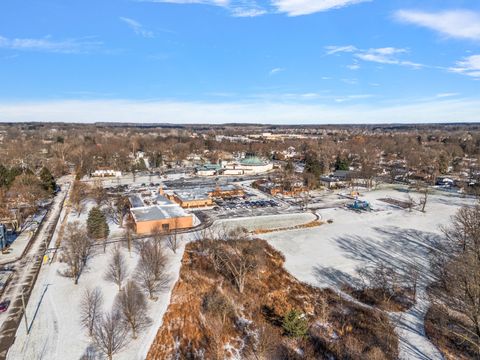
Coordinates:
[128,237]
[157,234]
[381,277]
[122,205]
[413,274]
[218,304]
[236,262]
[457,265]
[133,308]
[77,195]
[91,308]
[117,268]
[172,239]
[99,193]
[151,269]
[110,334]
[423,201]
[323,308]
[76,250]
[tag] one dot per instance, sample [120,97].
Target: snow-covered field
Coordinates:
[53,309]
[330,255]
[269,222]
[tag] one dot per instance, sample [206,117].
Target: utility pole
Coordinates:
[25,313]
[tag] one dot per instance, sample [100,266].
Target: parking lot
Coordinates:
[241,203]
[251,204]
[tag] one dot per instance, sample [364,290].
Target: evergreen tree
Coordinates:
[8,176]
[313,165]
[4,174]
[97,226]
[342,164]
[294,324]
[48,181]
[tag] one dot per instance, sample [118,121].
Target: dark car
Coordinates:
[4,306]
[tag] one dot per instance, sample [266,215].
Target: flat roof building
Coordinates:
[198,197]
[162,214]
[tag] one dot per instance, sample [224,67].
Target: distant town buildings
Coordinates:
[106,173]
[200,197]
[249,165]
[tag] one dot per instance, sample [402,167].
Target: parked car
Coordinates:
[4,306]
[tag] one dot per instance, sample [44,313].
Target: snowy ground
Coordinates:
[53,308]
[269,222]
[17,248]
[324,256]
[53,311]
[330,255]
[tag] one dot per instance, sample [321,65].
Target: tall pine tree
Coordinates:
[97,226]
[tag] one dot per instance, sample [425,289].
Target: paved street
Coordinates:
[27,269]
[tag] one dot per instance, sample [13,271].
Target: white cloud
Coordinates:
[237,8]
[445,95]
[385,55]
[462,24]
[250,8]
[305,7]
[438,110]
[246,8]
[340,49]
[69,46]
[469,66]
[137,27]
[276,70]
[354,66]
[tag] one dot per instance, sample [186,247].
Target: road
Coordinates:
[27,269]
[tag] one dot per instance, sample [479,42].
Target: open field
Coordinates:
[54,318]
[330,255]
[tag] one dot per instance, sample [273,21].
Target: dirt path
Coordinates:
[410,328]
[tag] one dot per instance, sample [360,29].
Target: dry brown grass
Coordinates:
[442,329]
[311,224]
[400,301]
[192,330]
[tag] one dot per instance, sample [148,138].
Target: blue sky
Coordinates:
[277,61]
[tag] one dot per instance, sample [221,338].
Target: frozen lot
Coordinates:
[269,222]
[354,239]
[330,254]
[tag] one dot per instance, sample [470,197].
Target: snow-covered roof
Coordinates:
[157,212]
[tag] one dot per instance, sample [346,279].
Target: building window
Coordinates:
[165,227]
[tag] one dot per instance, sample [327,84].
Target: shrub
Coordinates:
[294,324]
[219,304]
